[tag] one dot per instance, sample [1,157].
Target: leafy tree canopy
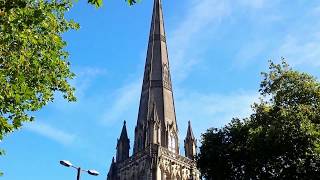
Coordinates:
[280,140]
[33,60]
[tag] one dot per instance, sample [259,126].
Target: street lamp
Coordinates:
[68,164]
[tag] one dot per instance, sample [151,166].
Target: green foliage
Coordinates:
[33,61]
[280,140]
[1,154]
[98,3]
[131,2]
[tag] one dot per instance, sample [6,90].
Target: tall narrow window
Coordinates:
[172,143]
[194,151]
[159,135]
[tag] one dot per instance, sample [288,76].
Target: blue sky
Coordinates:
[217,49]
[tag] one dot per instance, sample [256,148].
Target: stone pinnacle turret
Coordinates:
[123,145]
[190,143]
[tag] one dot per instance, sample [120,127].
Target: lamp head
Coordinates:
[65,163]
[93,172]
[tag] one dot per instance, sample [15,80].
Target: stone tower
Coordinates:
[156,144]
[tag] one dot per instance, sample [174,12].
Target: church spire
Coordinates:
[157,88]
[156,148]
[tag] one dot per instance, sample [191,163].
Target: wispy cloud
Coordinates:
[84,78]
[213,110]
[298,41]
[190,40]
[300,45]
[299,51]
[55,134]
[83,82]
[125,98]
[248,53]
[185,38]
[188,45]
[316,11]
[255,4]
[91,71]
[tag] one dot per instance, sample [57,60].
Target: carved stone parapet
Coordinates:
[176,157]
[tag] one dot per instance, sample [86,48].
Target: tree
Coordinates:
[280,140]
[33,60]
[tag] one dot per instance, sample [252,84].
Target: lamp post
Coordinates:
[79,170]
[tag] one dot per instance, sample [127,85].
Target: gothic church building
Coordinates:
[156,148]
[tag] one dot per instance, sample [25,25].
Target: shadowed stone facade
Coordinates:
[156,148]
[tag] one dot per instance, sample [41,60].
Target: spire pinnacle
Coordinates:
[190,132]
[112,171]
[124,134]
[123,145]
[190,143]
